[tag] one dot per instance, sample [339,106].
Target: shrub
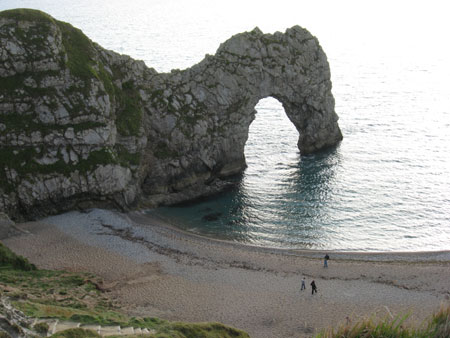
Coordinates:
[41,328]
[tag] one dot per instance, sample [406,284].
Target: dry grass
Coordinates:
[438,326]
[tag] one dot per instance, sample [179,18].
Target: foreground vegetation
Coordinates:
[80,298]
[438,326]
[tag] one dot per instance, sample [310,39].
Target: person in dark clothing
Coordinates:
[325,261]
[314,287]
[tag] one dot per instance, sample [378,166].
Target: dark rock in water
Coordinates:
[207,209]
[81,126]
[212,217]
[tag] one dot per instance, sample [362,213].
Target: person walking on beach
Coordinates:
[325,261]
[314,287]
[303,284]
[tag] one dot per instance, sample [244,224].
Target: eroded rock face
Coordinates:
[83,126]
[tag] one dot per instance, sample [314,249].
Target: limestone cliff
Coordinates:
[83,126]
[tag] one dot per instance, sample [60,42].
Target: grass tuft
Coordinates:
[76,333]
[206,330]
[438,326]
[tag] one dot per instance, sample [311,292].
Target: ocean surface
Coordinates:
[386,187]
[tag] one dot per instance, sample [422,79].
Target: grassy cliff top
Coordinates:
[26,14]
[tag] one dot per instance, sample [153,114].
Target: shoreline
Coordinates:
[155,269]
[378,256]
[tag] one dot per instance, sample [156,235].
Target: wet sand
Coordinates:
[153,269]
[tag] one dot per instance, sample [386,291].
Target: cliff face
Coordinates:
[82,126]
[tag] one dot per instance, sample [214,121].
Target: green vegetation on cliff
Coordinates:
[80,57]
[79,49]
[129,117]
[80,298]
[26,14]
[22,161]
[41,100]
[42,104]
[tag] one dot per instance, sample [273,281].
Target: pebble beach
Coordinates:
[151,268]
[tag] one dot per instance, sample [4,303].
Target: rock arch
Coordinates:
[220,93]
[292,68]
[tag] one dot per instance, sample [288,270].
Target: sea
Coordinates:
[385,187]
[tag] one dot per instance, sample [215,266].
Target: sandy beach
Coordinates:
[153,269]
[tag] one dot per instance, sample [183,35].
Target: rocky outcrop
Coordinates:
[83,126]
[7,227]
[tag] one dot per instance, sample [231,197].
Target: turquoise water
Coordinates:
[385,187]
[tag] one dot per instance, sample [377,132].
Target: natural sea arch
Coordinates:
[218,98]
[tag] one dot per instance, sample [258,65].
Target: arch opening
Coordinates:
[272,139]
[271,155]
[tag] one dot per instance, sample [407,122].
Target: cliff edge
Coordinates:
[81,126]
